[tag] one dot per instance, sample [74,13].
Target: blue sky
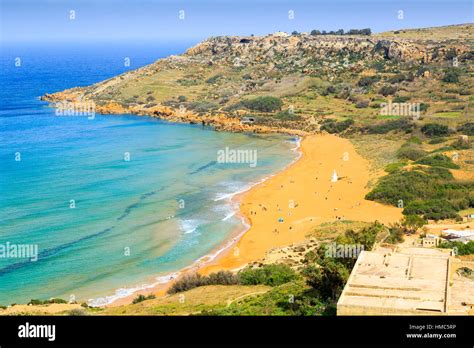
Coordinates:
[120,20]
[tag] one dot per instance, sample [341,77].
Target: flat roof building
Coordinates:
[399,281]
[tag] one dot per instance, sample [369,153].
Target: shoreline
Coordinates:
[273,223]
[159,287]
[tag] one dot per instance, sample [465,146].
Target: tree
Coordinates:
[435,130]
[387,90]
[412,223]
[328,279]
[315,32]
[451,76]
[396,232]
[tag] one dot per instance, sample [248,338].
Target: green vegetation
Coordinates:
[287,115]
[451,75]
[332,126]
[412,223]
[401,99]
[214,78]
[467,128]
[365,31]
[435,130]
[396,233]
[316,291]
[430,192]
[194,280]
[202,106]
[388,90]
[393,167]
[461,145]
[411,151]
[327,273]
[271,275]
[438,161]
[402,125]
[141,298]
[264,104]
[435,141]
[50,301]
[459,247]
[293,299]
[367,81]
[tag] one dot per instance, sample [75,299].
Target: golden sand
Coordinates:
[284,208]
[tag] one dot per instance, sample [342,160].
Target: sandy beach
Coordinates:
[284,208]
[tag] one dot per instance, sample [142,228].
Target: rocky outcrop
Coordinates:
[250,50]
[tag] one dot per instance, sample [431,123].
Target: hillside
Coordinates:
[315,79]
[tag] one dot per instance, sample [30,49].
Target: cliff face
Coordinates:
[248,50]
[208,83]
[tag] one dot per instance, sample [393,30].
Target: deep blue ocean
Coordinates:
[105,226]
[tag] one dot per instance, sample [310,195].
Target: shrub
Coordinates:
[451,76]
[202,106]
[413,222]
[392,125]
[328,278]
[435,130]
[395,234]
[411,151]
[222,278]
[287,116]
[467,128]
[434,209]
[367,81]
[55,300]
[428,191]
[330,90]
[461,145]
[182,98]
[275,274]
[414,140]
[214,79]
[337,127]
[264,104]
[141,298]
[418,183]
[387,90]
[194,280]
[187,282]
[401,99]
[393,167]
[424,107]
[77,312]
[362,104]
[438,160]
[435,141]
[397,78]
[461,248]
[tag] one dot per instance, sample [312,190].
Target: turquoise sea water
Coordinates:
[133,221]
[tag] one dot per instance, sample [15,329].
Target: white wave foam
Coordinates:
[189,226]
[228,216]
[124,292]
